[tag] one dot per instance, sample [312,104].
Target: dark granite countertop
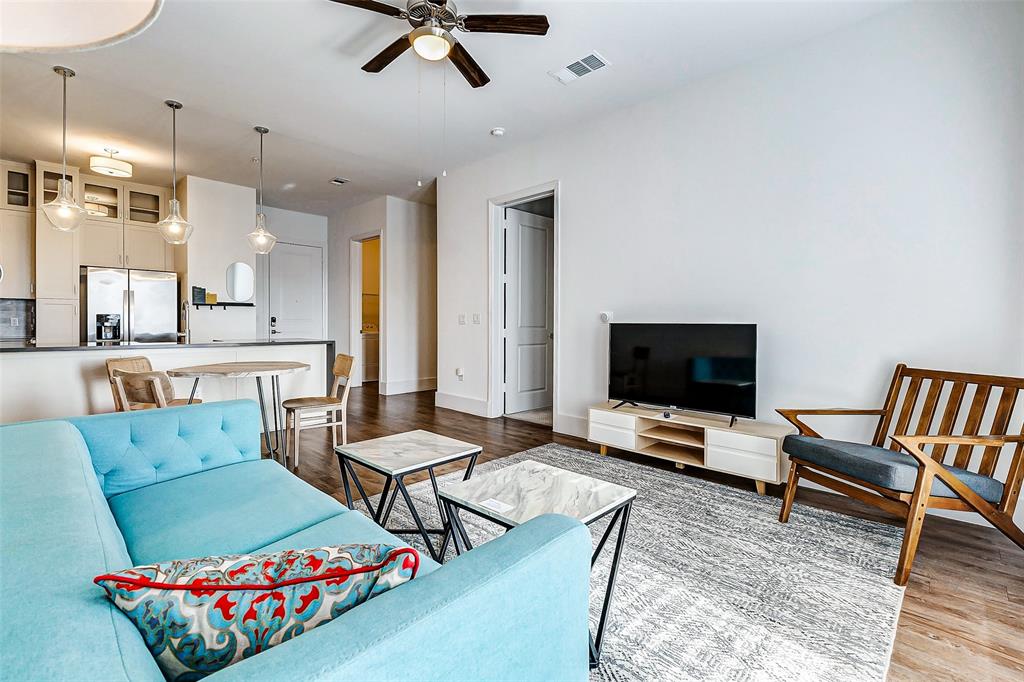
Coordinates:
[22,346]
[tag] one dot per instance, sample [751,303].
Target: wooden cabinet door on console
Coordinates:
[17,254]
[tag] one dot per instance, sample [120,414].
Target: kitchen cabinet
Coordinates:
[47,176]
[124,235]
[56,260]
[17,253]
[57,321]
[17,186]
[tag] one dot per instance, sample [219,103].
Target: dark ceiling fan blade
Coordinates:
[523,24]
[373,6]
[468,67]
[388,55]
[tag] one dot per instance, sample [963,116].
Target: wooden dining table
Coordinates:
[242,370]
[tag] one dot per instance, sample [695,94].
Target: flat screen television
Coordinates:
[703,367]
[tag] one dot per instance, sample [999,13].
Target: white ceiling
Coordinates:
[294,66]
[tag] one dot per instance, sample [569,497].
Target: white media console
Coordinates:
[751,449]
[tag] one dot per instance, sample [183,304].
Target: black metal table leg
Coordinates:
[275,397]
[192,395]
[596,641]
[344,482]
[460,529]
[382,501]
[416,517]
[359,487]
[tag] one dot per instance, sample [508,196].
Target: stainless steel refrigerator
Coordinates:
[145,300]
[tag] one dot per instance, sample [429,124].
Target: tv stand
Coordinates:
[752,449]
[626,402]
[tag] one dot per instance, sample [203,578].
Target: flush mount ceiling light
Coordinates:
[64,213]
[108,165]
[432,42]
[261,241]
[62,26]
[174,228]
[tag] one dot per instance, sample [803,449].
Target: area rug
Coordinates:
[711,585]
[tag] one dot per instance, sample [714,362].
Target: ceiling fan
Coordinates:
[433,22]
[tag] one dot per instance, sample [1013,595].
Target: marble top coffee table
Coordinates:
[515,494]
[396,457]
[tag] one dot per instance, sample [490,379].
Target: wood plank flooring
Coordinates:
[963,613]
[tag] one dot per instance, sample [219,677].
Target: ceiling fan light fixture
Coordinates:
[433,43]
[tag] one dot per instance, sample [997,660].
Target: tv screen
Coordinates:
[705,367]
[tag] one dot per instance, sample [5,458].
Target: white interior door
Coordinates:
[529,311]
[296,292]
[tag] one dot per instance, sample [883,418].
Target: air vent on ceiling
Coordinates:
[338,181]
[578,69]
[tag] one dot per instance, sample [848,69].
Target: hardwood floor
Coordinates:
[963,612]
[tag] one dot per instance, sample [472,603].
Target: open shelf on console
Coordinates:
[676,434]
[681,454]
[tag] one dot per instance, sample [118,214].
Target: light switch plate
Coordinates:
[476,318]
[462,318]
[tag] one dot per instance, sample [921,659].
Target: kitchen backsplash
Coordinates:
[17,318]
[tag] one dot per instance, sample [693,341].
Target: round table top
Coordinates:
[235,370]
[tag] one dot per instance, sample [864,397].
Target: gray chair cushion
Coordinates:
[882,467]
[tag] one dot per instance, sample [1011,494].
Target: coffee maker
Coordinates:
[108,328]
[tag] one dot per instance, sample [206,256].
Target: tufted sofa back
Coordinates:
[131,450]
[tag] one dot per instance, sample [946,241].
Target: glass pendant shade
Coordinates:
[174,228]
[261,241]
[63,213]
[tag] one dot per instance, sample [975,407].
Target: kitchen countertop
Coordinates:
[22,346]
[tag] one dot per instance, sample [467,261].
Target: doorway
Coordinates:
[528,316]
[366,307]
[296,283]
[369,328]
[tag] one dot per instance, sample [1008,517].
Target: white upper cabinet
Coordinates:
[17,254]
[121,229]
[17,186]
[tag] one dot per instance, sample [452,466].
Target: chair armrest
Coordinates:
[793,416]
[915,444]
[514,608]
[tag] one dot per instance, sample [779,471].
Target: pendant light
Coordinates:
[174,228]
[64,213]
[261,241]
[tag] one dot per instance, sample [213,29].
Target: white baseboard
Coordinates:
[461,403]
[570,425]
[408,386]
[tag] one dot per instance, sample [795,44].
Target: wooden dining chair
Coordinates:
[957,471]
[136,386]
[298,409]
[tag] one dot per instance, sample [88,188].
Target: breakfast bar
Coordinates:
[44,382]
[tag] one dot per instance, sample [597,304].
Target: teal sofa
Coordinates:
[84,496]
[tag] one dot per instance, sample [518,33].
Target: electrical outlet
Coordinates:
[459,373]
[476,318]
[462,318]
[15,322]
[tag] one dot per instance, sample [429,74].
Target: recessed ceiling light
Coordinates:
[498,132]
[338,181]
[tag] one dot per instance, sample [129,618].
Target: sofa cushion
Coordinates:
[883,467]
[229,510]
[198,616]
[350,528]
[56,533]
[160,445]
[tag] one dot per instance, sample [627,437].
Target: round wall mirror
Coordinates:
[240,282]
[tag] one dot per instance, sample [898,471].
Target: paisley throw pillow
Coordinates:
[201,615]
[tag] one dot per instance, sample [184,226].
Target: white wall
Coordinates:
[409,294]
[291,227]
[223,214]
[409,298]
[858,197]
[358,221]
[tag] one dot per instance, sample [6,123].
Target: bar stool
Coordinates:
[295,408]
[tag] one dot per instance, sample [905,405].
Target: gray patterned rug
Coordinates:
[721,590]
